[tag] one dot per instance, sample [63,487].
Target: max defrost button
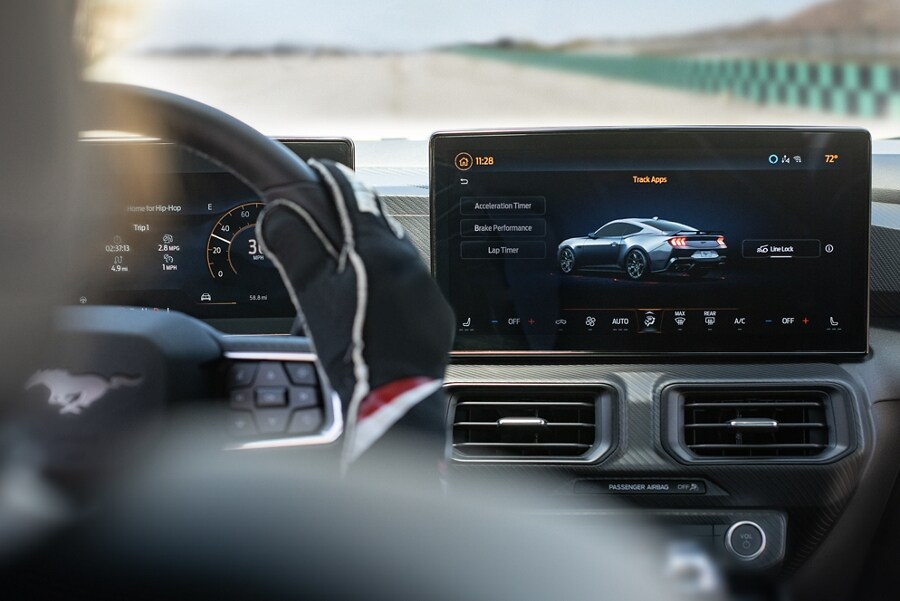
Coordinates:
[503,250]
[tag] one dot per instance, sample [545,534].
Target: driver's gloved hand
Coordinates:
[379,323]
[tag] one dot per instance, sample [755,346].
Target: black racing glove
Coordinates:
[380,325]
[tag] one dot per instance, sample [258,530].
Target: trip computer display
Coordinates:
[654,241]
[181,236]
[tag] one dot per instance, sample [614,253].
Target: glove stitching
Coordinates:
[343,212]
[313,225]
[360,367]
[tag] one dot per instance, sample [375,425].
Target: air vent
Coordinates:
[527,425]
[765,424]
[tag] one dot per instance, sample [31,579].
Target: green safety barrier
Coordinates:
[846,88]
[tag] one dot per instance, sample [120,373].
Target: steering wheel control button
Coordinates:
[241,374]
[242,398]
[305,421]
[301,373]
[271,374]
[271,397]
[304,396]
[240,424]
[745,540]
[272,421]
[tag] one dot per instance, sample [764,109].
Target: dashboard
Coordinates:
[794,454]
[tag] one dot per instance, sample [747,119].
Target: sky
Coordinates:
[412,25]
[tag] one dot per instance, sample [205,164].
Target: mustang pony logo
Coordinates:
[73,393]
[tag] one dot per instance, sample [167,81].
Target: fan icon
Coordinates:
[590,321]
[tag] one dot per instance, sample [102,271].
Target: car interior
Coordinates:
[675,367]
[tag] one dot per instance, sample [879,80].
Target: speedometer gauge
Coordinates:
[232,245]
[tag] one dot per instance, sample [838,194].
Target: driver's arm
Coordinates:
[378,322]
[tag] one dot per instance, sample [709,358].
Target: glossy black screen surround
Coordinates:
[753,240]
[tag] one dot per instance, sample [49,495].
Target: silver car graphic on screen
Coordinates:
[641,246]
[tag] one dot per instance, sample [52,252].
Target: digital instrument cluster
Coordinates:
[181,236]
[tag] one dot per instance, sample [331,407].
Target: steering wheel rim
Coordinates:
[262,163]
[192,370]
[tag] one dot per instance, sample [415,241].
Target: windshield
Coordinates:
[392,69]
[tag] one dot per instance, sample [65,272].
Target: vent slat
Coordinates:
[792,424]
[547,425]
[464,404]
[520,445]
[780,425]
[499,429]
[754,404]
[757,446]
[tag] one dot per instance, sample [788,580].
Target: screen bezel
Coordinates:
[440,261]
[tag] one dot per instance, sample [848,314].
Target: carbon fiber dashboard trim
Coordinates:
[412,213]
[795,488]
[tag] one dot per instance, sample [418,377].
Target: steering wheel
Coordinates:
[265,165]
[114,369]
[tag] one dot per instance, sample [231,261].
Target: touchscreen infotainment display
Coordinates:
[650,241]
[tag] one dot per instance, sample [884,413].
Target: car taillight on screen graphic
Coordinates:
[721,241]
[678,241]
